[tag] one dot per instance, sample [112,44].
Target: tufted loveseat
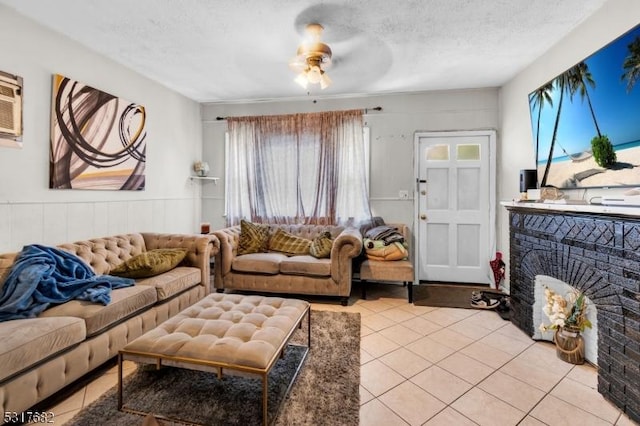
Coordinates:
[41,355]
[277,273]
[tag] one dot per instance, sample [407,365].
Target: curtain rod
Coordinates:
[364,111]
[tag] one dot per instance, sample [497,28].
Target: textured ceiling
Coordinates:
[232,50]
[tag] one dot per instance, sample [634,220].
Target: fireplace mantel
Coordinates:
[595,249]
[576,208]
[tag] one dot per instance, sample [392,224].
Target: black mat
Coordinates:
[443,295]
[451,296]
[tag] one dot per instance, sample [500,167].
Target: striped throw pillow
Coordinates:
[321,245]
[289,244]
[254,238]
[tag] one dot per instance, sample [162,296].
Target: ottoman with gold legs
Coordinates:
[224,334]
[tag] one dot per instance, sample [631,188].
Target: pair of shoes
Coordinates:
[481,301]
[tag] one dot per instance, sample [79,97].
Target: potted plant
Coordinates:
[568,317]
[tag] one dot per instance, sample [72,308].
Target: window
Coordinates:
[300,168]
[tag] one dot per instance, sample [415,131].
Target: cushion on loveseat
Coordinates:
[306,265]
[283,242]
[321,245]
[259,263]
[125,302]
[26,342]
[173,282]
[254,237]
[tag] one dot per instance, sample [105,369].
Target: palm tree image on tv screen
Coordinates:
[586,131]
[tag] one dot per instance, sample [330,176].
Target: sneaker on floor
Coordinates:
[480,301]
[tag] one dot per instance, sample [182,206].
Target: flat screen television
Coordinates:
[586,121]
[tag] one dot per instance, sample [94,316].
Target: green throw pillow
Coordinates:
[289,244]
[321,245]
[150,263]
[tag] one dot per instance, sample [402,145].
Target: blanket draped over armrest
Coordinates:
[44,275]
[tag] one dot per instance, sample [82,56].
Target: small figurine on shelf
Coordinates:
[201,168]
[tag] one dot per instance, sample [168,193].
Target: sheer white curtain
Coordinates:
[299,168]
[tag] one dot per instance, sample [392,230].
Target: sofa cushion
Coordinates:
[125,302]
[284,242]
[150,263]
[259,263]
[173,282]
[306,265]
[26,342]
[321,245]
[254,238]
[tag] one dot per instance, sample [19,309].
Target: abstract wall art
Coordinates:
[98,141]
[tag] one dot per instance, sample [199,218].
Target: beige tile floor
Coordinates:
[442,366]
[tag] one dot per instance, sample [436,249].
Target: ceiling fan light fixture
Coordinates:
[302,80]
[314,74]
[325,81]
[310,58]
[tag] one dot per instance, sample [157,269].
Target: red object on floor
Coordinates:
[497,266]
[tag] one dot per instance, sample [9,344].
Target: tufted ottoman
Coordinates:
[237,333]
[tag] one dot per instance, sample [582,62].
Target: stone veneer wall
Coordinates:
[598,254]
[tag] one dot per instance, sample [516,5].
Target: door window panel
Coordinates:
[468,152]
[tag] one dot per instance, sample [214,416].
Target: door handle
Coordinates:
[423,216]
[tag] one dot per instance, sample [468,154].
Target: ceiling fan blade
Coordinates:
[339,21]
[297,64]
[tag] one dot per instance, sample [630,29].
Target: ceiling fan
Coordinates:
[312,58]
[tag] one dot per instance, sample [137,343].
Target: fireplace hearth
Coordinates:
[597,253]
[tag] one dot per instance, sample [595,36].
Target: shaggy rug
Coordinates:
[325,392]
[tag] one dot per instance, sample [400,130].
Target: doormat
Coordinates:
[446,295]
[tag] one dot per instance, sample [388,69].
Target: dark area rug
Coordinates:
[445,295]
[326,391]
[459,296]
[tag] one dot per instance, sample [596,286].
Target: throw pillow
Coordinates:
[254,238]
[321,245]
[289,244]
[150,263]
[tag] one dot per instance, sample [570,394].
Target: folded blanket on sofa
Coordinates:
[43,275]
[378,250]
[385,233]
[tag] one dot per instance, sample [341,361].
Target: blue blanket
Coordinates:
[43,275]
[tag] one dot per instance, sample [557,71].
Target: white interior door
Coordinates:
[455,212]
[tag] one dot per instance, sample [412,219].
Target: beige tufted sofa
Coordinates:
[277,273]
[40,356]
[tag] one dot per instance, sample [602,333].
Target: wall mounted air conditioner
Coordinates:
[10,105]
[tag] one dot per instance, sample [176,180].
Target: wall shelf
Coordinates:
[214,179]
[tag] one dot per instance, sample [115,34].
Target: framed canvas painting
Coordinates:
[98,141]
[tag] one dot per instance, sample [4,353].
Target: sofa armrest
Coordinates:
[346,246]
[229,239]
[200,249]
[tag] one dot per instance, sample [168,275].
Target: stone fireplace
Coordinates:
[596,250]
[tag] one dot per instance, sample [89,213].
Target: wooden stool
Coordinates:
[392,270]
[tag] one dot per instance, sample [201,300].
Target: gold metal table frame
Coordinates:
[219,367]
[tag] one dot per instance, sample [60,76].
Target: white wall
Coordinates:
[392,138]
[612,20]
[32,213]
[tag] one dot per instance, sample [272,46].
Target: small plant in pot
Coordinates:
[568,317]
[603,152]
